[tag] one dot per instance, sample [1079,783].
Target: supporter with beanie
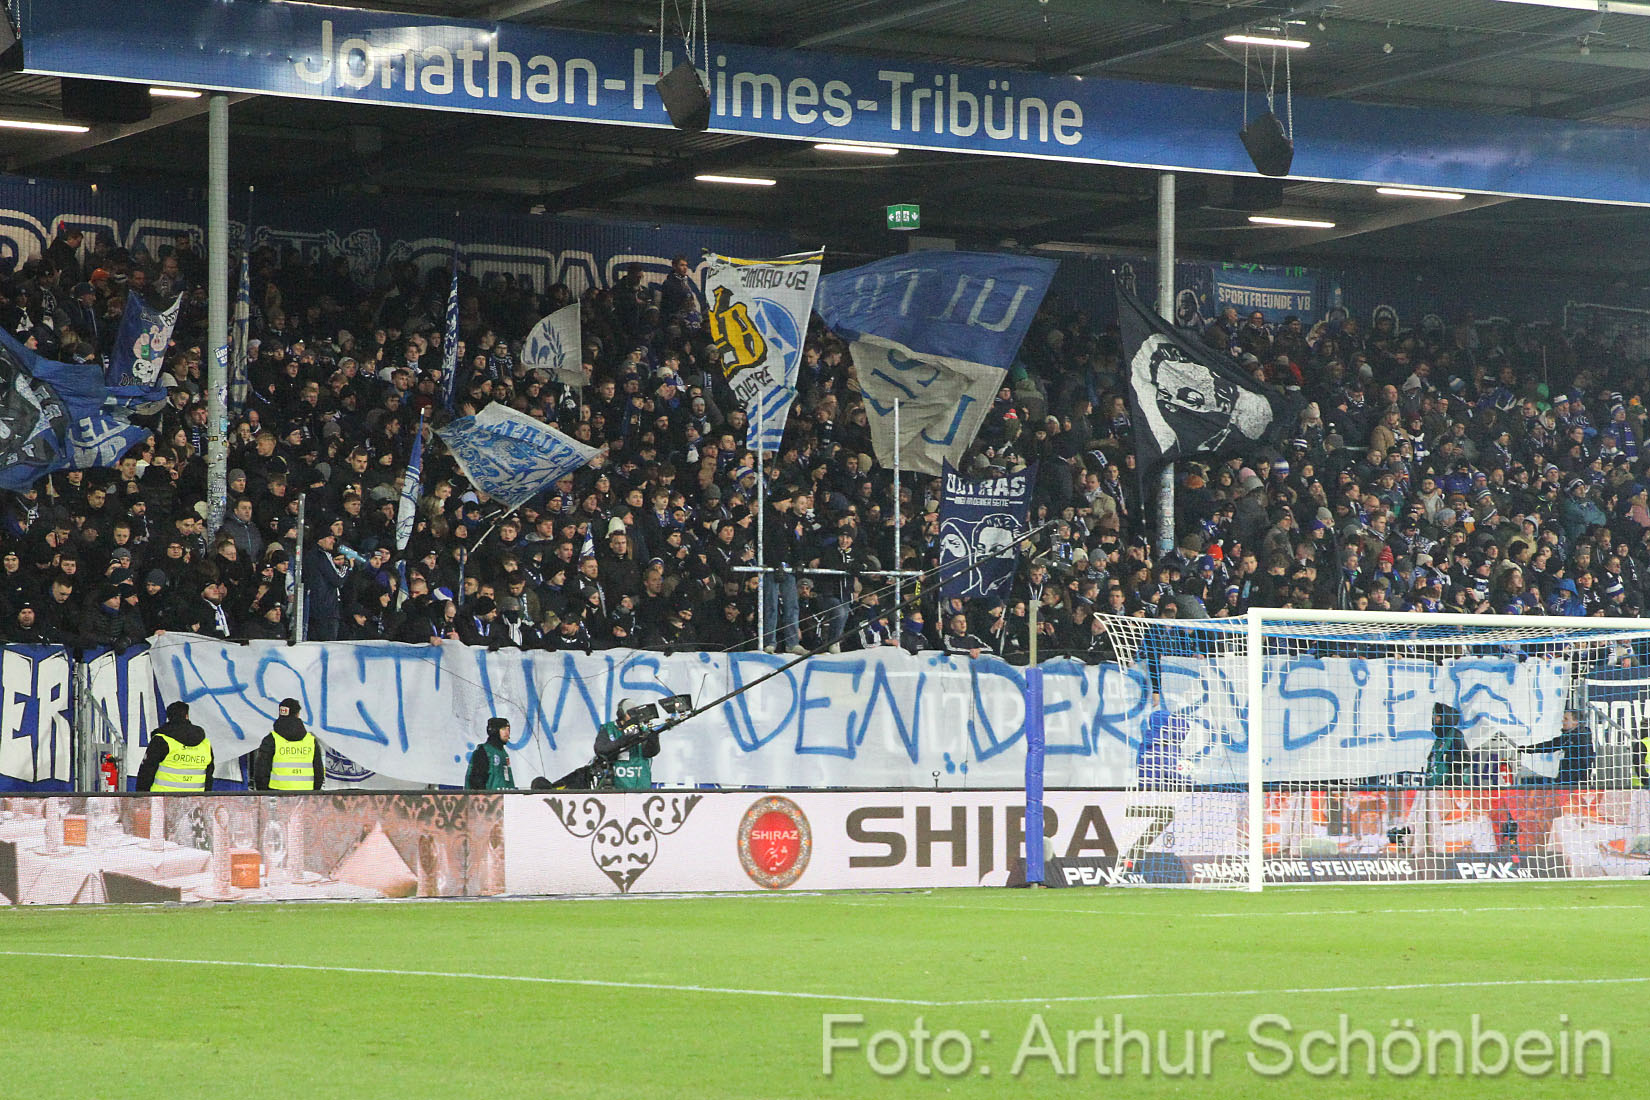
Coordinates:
[490,763]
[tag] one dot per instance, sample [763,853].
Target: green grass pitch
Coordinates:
[726,996]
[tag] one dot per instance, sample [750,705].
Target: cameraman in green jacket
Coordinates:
[628,745]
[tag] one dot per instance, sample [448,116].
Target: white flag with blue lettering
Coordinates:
[556,344]
[412,486]
[937,332]
[509,455]
[758,315]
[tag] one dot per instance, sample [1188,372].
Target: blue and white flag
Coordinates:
[556,344]
[980,521]
[240,336]
[758,316]
[936,331]
[56,416]
[140,345]
[509,455]
[412,485]
[33,422]
[449,342]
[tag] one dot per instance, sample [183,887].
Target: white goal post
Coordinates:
[1327,746]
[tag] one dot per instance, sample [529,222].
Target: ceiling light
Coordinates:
[1292,223]
[1606,7]
[745,181]
[53,127]
[1266,40]
[175,93]
[1419,193]
[868,150]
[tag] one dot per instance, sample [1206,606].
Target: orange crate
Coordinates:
[74,830]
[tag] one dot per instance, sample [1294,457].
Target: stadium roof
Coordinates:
[1485,56]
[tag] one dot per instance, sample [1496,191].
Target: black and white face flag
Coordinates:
[1186,399]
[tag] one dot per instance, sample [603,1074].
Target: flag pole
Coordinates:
[761,548]
[899,564]
[217,307]
[1165,309]
[297,625]
[240,319]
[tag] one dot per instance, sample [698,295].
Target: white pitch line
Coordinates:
[527,978]
[1407,987]
[1194,915]
[783,994]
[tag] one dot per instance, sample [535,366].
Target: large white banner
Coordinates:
[1330,718]
[878,719]
[881,718]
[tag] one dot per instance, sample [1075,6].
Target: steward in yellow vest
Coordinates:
[179,760]
[289,758]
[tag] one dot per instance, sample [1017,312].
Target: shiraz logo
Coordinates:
[775,842]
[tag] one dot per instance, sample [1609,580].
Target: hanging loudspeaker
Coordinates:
[1268,146]
[686,100]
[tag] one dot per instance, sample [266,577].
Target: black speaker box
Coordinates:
[686,100]
[11,50]
[1268,146]
[104,100]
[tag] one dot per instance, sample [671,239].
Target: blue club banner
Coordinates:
[980,521]
[343,54]
[1277,292]
[367,235]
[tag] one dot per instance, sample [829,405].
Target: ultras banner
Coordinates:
[980,521]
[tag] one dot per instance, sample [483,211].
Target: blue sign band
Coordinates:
[345,54]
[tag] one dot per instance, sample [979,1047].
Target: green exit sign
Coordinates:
[904,216]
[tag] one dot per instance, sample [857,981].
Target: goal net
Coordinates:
[1316,746]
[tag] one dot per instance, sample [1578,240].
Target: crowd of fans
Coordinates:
[1431,469]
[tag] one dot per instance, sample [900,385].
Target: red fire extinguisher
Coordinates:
[111,772]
